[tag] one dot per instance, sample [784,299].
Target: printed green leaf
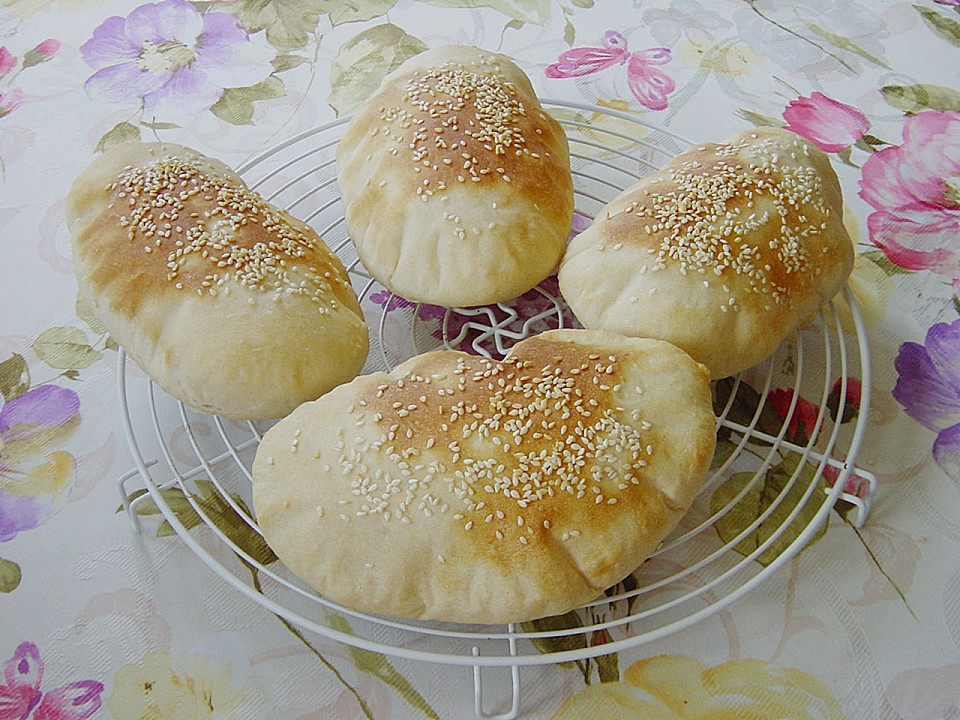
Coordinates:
[608,666]
[14,377]
[9,575]
[175,500]
[724,449]
[759,499]
[846,156]
[85,313]
[845,43]
[586,4]
[627,585]
[235,106]
[222,514]
[287,61]
[851,411]
[363,61]
[922,96]
[165,529]
[117,135]
[376,664]
[65,348]
[945,27]
[870,143]
[744,407]
[216,508]
[758,120]
[133,496]
[529,11]
[557,643]
[287,24]
[345,11]
[159,125]
[569,33]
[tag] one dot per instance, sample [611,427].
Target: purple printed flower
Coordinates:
[488,328]
[391,302]
[828,124]
[34,474]
[928,387]
[176,60]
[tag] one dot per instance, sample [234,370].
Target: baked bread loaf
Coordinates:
[456,184]
[463,489]
[227,302]
[723,252]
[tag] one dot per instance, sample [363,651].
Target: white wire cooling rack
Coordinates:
[789,432]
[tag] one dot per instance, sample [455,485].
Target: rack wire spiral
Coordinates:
[714,558]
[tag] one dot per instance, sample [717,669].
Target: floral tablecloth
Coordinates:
[99,620]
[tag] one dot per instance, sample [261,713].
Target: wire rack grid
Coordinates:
[789,430]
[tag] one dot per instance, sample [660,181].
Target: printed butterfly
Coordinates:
[649,85]
[20,693]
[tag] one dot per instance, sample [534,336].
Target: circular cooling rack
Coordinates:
[787,436]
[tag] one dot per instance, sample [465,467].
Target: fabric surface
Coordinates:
[101,620]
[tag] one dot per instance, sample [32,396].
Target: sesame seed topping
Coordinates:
[553,438]
[165,189]
[462,116]
[715,203]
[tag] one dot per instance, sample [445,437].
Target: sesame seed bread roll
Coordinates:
[724,252]
[456,183]
[227,302]
[463,489]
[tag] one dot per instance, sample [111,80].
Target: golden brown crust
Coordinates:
[463,489]
[456,183]
[194,273]
[724,251]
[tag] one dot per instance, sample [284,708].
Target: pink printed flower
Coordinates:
[649,85]
[914,189]
[10,98]
[175,59]
[855,484]
[802,421]
[41,53]
[8,61]
[850,399]
[828,124]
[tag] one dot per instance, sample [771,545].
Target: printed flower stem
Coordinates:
[752,4]
[584,667]
[883,572]
[297,634]
[307,90]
